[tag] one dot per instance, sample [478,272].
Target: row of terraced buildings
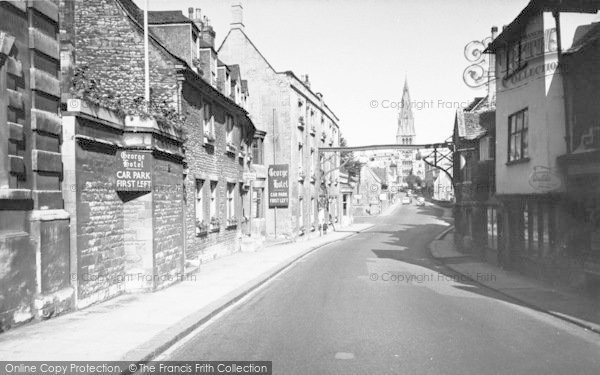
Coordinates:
[103,192]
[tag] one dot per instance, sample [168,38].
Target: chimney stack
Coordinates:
[195,15]
[237,14]
[305,80]
[491,86]
[207,33]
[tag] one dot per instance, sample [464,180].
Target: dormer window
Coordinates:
[514,58]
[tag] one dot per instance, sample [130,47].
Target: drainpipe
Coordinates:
[563,72]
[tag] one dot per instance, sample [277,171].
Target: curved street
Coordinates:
[378,303]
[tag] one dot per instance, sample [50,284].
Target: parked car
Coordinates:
[420,201]
[406,200]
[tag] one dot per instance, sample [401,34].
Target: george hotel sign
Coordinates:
[134,171]
[279,185]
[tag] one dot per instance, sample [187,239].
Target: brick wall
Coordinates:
[208,163]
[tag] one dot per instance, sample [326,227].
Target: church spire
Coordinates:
[406,127]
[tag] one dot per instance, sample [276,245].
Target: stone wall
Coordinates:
[33,224]
[100,232]
[109,41]
[209,162]
[168,220]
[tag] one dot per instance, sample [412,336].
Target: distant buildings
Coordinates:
[402,165]
[372,191]
[408,164]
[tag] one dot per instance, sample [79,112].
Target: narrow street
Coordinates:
[328,315]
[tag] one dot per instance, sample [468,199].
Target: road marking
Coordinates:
[343,355]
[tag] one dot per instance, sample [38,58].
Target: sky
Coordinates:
[357,53]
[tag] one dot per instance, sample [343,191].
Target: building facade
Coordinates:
[113,194]
[297,122]
[213,95]
[34,226]
[580,163]
[539,231]
[476,209]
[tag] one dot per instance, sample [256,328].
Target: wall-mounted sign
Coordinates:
[279,185]
[250,176]
[134,171]
[545,179]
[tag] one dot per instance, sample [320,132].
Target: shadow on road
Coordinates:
[403,238]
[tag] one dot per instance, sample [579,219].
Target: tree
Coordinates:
[350,164]
[414,182]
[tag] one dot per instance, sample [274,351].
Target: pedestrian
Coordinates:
[331,222]
[321,220]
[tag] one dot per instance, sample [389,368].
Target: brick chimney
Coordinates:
[207,33]
[491,87]
[237,14]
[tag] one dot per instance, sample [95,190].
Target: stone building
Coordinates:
[297,122]
[213,94]
[150,190]
[475,210]
[34,226]
[123,159]
[371,196]
[539,231]
[348,189]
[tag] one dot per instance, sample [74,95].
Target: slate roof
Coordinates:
[518,25]
[235,72]
[584,36]
[381,174]
[475,120]
[167,16]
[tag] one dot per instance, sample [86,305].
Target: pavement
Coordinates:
[379,303]
[575,306]
[137,327]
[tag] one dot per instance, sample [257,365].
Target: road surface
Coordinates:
[377,303]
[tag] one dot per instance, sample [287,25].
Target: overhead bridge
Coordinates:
[394,146]
[441,156]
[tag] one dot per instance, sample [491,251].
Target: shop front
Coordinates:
[582,171]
